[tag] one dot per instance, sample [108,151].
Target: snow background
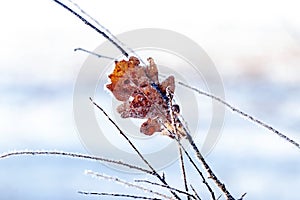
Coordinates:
[255,46]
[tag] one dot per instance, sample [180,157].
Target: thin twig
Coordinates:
[206,166]
[176,134]
[196,194]
[134,148]
[251,118]
[208,169]
[117,195]
[195,166]
[183,171]
[92,26]
[106,30]
[198,170]
[115,179]
[94,54]
[242,197]
[168,187]
[73,155]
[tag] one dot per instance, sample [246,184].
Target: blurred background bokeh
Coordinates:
[255,46]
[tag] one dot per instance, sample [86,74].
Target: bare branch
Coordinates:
[251,118]
[242,197]
[134,148]
[193,163]
[115,179]
[208,169]
[107,31]
[183,171]
[196,194]
[117,195]
[84,20]
[94,54]
[168,187]
[73,155]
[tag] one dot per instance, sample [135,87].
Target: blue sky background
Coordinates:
[255,46]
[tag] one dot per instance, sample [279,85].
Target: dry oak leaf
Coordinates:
[142,95]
